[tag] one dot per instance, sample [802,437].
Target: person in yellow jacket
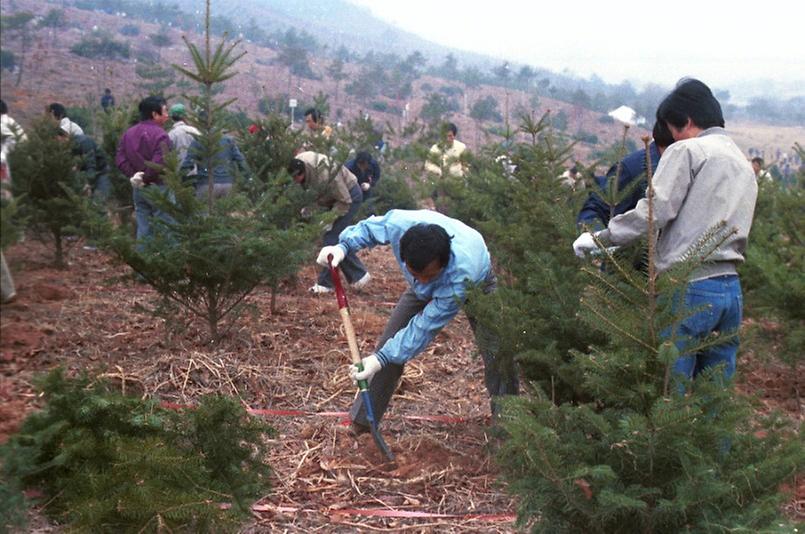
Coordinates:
[447,154]
[338,190]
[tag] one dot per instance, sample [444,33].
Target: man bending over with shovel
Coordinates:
[441,259]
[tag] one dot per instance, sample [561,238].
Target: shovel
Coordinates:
[343,308]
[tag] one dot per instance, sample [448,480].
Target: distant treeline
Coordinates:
[380,72]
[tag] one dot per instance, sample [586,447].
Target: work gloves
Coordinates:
[137,180]
[584,244]
[337,252]
[371,365]
[365,186]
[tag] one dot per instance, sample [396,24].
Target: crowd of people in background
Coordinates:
[688,140]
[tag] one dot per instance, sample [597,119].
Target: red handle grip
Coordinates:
[340,294]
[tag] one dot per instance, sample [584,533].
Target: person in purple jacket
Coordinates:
[145,143]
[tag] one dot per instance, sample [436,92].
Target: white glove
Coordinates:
[137,180]
[584,244]
[371,365]
[335,250]
[365,186]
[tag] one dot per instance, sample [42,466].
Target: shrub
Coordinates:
[130,30]
[46,185]
[486,109]
[587,137]
[171,470]
[100,47]
[8,60]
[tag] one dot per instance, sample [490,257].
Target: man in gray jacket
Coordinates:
[703,179]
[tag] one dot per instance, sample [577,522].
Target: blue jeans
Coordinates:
[102,189]
[719,302]
[144,211]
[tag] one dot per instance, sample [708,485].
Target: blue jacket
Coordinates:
[595,211]
[372,174]
[469,265]
[227,158]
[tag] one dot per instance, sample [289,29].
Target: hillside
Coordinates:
[53,73]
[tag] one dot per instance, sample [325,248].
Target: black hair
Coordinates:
[150,105]
[3,107]
[691,99]
[450,127]
[758,160]
[423,243]
[662,135]
[57,110]
[107,91]
[295,166]
[314,113]
[363,157]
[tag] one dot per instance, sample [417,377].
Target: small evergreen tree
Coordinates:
[528,219]
[18,25]
[336,72]
[155,78]
[629,453]
[775,260]
[47,185]
[111,463]
[486,109]
[101,46]
[113,124]
[213,254]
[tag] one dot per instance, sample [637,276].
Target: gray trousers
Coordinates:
[498,380]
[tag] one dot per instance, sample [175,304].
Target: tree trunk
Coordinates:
[23,49]
[274,299]
[59,259]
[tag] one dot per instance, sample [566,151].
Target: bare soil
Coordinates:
[93,317]
[290,367]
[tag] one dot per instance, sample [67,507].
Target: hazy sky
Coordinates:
[646,41]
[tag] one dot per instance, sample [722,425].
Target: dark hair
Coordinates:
[57,110]
[363,157]
[662,135]
[314,113]
[295,166]
[150,105]
[691,99]
[423,243]
[758,160]
[450,127]
[3,107]
[107,91]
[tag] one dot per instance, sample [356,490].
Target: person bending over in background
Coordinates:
[337,190]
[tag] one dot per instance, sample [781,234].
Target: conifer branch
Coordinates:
[616,327]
